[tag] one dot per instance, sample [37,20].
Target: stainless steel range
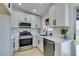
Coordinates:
[25,41]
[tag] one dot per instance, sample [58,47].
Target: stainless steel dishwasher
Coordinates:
[49,47]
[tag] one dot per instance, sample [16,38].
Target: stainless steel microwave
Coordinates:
[24,25]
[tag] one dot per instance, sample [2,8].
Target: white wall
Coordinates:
[4,35]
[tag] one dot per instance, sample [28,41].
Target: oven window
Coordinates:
[25,42]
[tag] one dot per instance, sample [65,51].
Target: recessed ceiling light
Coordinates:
[34,10]
[19,3]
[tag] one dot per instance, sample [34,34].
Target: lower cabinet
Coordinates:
[40,44]
[35,41]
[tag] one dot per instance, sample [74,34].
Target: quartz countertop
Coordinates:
[55,38]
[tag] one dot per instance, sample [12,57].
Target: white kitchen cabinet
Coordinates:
[28,18]
[21,16]
[15,19]
[40,44]
[59,14]
[18,17]
[52,15]
[66,49]
[62,14]
[33,23]
[63,49]
[24,17]
[36,21]
[35,41]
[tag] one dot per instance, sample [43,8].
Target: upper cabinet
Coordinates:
[28,18]
[36,21]
[21,17]
[24,17]
[6,8]
[52,15]
[59,14]
[18,17]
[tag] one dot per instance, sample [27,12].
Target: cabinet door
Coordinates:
[28,18]
[21,17]
[33,21]
[40,44]
[14,19]
[62,14]
[38,22]
[66,49]
[35,41]
[52,15]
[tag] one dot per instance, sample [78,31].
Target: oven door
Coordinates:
[25,42]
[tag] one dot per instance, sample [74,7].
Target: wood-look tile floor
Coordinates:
[30,52]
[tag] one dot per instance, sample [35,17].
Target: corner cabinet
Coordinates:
[35,21]
[59,14]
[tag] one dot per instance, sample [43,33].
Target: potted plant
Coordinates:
[63,31]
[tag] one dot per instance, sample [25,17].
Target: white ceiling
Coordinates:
[41,8]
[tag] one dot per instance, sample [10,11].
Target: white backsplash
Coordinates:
[56,31]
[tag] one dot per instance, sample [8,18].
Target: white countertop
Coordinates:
[55,39]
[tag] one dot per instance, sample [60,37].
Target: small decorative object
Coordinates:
[63,31]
